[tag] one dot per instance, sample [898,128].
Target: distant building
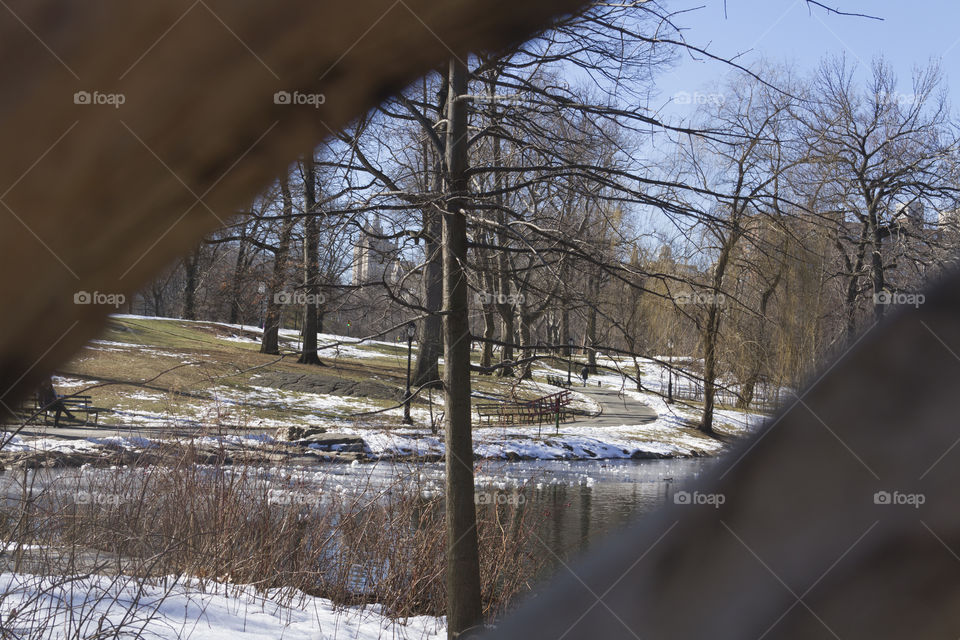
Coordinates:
[908,221]
[373,256]
[948,222]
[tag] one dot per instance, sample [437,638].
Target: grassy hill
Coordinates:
[204,375]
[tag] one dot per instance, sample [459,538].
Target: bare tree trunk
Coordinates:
[464,610]
[271,323]
[191,264]
[876,266]
[238,272]
[507,333]
[592,339]
[565,327]
[526,346]
[311,267]
[853,287]
[758,359]
[430,329]
[711,335]
[489,328]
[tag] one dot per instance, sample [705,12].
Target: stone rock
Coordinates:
[292,434]
[334,441]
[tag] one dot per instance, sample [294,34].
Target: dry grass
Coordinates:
[380,542]
[180,371]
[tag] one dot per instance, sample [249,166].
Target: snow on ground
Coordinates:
[327,405]
[329,345]
[110,345]
[17,443]
[64,382]
[669,435]
[83,607]
[657,439]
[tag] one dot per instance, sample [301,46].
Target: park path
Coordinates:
[617,410]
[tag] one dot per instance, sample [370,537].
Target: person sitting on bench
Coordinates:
[48,400]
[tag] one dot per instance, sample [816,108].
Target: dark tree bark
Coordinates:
[191,265]
[876,263]
[854,272]
[430,330]
[238,273]
[711,334]
[489,328]
[507,335]
[590,337]
[748,388]
[311,268]
[464,610]
[271,323]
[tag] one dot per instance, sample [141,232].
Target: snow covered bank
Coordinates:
[69,607]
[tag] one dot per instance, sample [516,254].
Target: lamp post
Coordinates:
[569,358]
[670,373]
[411,330]
[262,289]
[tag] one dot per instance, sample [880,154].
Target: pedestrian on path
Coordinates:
[584,373]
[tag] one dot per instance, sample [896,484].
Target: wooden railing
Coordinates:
[549,409]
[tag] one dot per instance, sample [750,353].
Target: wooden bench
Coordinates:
[75,404]
[557,381]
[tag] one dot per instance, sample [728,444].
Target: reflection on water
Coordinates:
[581,501]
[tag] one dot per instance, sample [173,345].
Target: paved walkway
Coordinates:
[617,409]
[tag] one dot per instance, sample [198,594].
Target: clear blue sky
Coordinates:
[911,33]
